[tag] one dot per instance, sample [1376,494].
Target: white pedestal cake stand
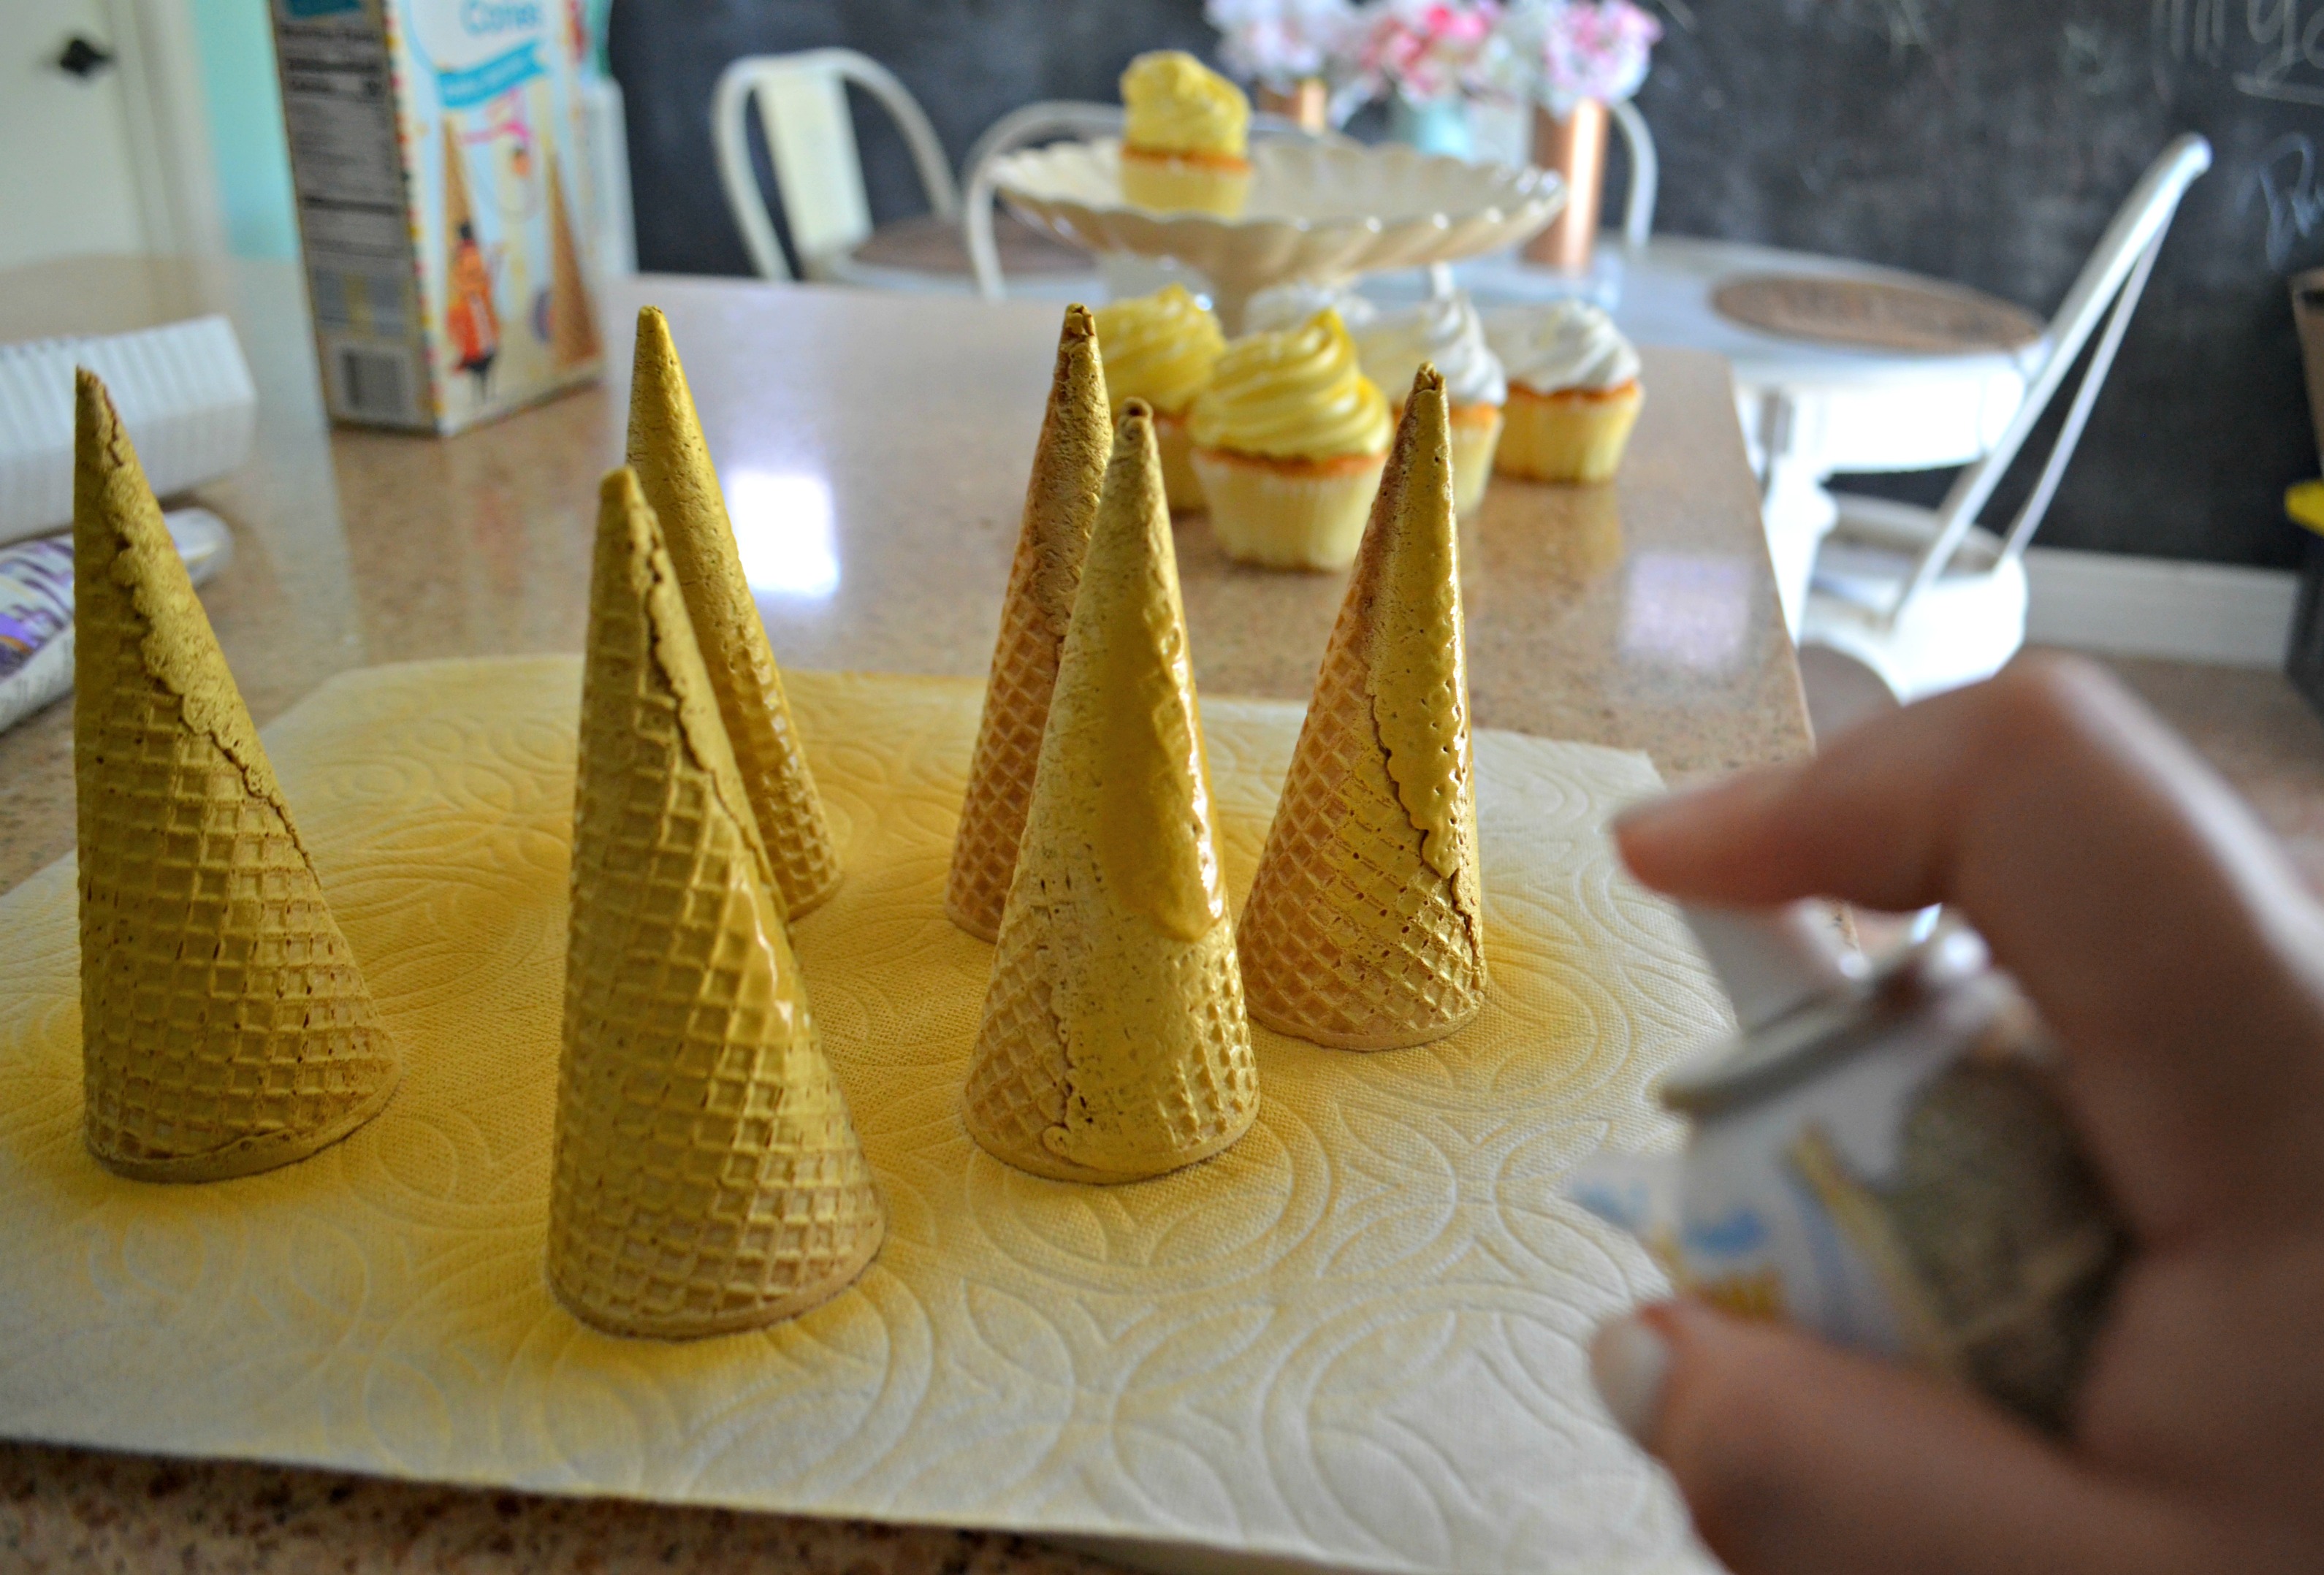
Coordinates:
[1319,212]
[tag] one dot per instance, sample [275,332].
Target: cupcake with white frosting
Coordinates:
[1444,331]
[1573,392]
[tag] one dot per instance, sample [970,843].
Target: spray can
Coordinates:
[1880,1156]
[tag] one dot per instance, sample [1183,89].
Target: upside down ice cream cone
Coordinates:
[673,466]
[1114,1045]
[226,1028]
[707,1176]
[1060,502]
[1365,926]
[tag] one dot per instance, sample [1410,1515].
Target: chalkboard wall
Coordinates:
[1983,141]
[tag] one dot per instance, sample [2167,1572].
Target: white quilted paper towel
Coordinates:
[1355,1340]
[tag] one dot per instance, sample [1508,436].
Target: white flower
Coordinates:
[1276,43]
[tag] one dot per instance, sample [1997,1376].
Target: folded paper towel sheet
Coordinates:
[1355,1339]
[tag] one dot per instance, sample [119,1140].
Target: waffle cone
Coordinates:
[1114,1045]
[225,1026]
[707,1175]
[1365,926]
[1060,502]
[673,466]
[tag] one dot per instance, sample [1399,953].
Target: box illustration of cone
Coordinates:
[1060,504]
[707,1177]
[1114,1045]
[1365,926]
[226,1028]
[672,462]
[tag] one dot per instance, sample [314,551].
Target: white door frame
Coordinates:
[159,60]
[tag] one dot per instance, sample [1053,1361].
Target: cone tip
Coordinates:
[619,490]
[1079,323]
[1428,380]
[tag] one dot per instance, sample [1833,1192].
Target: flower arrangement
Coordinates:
[1423,51]
[1558,52]
[1276,43]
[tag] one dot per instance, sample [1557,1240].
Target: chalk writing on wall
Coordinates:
[2274,50]
[2283,183]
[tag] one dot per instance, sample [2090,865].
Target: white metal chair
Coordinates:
[1646,174]
[1036,123]
[1926,598]
[802,103]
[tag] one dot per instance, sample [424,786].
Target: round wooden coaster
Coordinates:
[1879,315]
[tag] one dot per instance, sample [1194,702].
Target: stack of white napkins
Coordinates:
[183,391]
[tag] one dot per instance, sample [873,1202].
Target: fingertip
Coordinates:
[1629,1363]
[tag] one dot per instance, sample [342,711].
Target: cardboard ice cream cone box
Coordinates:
[437,151]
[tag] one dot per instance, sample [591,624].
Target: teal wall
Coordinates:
[246,115]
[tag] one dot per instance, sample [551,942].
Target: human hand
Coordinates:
[2181,966]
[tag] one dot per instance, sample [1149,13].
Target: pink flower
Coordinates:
[1424,49]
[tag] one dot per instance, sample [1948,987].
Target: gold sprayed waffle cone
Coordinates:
[225,1026]
[1068,467]
[707,1175]
[673,465]
[1114,1045]
[1365,926]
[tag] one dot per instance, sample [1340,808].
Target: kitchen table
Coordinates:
[873,450]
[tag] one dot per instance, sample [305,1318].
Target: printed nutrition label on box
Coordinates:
[339,111]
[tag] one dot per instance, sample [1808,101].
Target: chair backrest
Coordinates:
[1035,122]
[2109,286]
[802,101]
[1646,174]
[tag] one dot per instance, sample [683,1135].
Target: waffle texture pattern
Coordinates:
[225,1026]
[1365,926]
[672,462]
[707,1175]
[1060,504]
[1114,1044]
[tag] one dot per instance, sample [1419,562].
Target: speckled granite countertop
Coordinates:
[873,448]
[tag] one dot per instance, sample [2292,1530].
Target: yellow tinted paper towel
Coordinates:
[1357,1338]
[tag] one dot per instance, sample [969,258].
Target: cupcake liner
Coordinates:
[1180,486]
[1287,513]
[1168,183]
[1476,434]
[1569,436]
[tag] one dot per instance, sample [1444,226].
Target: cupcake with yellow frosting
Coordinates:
[1289,439]
[1160,348]
[1393,345]
[1573,392]
[1184,137]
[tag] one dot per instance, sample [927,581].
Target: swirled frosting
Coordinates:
[1159,348]
[1568,343]
[1178,104]
[1445,330]
[1297,393]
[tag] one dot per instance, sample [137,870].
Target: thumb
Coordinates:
[1796,1456]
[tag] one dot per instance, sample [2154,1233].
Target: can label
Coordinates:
[1919,1196]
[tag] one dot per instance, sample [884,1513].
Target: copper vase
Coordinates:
[1575,147]
[1306,104]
